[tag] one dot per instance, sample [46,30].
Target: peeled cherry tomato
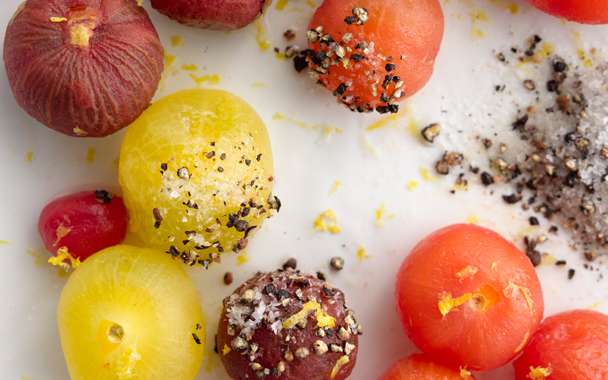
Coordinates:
[468,297]
[583,11]
[84,223]
[570,345]
[422,367]
[372,54]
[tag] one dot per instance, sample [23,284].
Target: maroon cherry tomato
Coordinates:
[570,345]
[84,223]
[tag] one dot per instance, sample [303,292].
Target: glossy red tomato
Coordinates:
[570,345]
[422,367]
[468,297]
[372,54]
[583,11]
[85,223]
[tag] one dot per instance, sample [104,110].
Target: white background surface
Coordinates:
[460,96]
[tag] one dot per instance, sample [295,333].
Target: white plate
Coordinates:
[374,167]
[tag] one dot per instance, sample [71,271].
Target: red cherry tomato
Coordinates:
[422,367]
[393,48]
[570,345]
[583,11]
[85,223]
[468,297]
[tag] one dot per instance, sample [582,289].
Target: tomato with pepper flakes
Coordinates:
[468,297]
[583,11]
[569,345]
[422,367]
[372,54]
[84,223]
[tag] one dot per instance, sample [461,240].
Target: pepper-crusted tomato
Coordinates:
[583,11]
[570,345]
[372,54]
[468,297]
[422,367]
[84,223]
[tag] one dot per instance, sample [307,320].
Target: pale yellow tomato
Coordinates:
[197,174]
[127,313]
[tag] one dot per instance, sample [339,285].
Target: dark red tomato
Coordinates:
[468,297]
[570,345]
[389,56]
[85,223]
[583,11]
[422,367]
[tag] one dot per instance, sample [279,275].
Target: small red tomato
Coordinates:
[468,297]
[583,11]
[570,345]
[84,223]
[422,367]
[372,54]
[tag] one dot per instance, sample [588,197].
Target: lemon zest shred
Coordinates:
[176,41]
[281,4]
[261,36]
[466,273]
[361,255]
[323,319]
[191,67]
[380,215]
[63,254]
[494,265]
[341,362]
[523,342]
[226,350]
[525,291]
[58,19]
[335,187]
[140,2]
[327,221]
[464,373]
[540,373]
[384,122]
[212,79]
[447,302]
[80,132]
[241,259]
[6,242]
[412,185]
[426,175]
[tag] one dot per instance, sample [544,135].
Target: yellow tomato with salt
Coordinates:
[197,174]
[127,313]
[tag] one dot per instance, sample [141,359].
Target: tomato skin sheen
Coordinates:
[468,297]
[575,343]
[409,31]
[583,11]
[422,367]
[84,223]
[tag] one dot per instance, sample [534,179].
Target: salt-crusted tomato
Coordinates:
[583,11]
[570,345]
[422,367]
[371,53]
[84,223]
[468,297]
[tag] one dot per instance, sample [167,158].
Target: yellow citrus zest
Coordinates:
[323,319]
[63,254]
[464,373]
[327,221]
[226,350]
[447,303]
[523,342]
[342,361]
[540,373]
